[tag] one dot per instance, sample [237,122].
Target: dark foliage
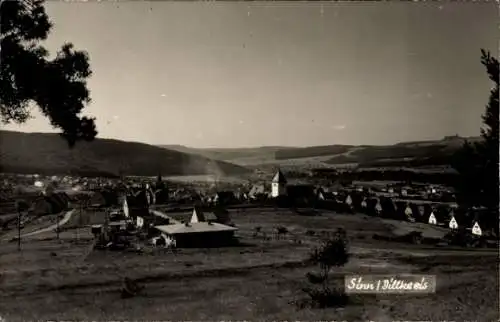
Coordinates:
[314,151]
[333,253]
[57,86]
[477,163]
[46,153]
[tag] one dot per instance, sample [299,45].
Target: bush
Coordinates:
[333,253]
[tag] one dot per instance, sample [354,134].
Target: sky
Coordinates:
[244,74]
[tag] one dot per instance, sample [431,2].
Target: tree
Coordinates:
[28,77]
[477,163]
[333,253]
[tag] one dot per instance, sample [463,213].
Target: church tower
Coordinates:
[278,185]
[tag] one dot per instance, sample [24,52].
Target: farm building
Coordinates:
[278,185]
[200,234]
[199,216]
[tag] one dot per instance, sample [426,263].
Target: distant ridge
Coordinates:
[48,153]
[428,152]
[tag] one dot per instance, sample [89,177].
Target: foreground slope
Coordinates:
[49,153]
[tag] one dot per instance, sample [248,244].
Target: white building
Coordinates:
[278,185]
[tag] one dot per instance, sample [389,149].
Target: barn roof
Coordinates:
[199,227]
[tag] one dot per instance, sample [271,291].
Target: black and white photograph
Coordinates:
[249,160]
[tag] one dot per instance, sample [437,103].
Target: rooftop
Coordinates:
[199,227]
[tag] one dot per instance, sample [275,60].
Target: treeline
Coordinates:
[313,151]
[438,160]
[390,175]
[401,175]
[81,172]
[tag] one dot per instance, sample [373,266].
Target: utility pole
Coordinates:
[57,226]
[19,229]
[20,207]
[79,221]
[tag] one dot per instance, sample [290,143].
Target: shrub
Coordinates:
[333,253]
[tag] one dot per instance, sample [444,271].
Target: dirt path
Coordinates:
[62,222]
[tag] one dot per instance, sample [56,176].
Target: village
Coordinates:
[248,161]
[138,229]
[147,208]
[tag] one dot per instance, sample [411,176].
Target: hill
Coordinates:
[405,154]
[47,153]
[229,154]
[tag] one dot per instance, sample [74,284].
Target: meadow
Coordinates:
[259,280]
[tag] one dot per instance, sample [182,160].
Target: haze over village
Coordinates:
[284,157]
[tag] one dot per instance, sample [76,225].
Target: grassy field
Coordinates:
[259,280]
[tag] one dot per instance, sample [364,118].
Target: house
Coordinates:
[66,199]
[150,220]
[373,206]
[200,234]
[111,197]
[199,216]
[408,213]
[300,194]
[278,185]
[161,195]
[257,192]
[40,207]
[389,208]
[443,214]
[320,194]
[348,200]
[323,194]
[222,216]
[136,206]
[118,225]
[57,202]
[97,200]
[224,198]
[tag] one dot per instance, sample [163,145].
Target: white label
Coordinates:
[476,230]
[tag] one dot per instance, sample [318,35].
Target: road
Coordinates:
[63,221]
